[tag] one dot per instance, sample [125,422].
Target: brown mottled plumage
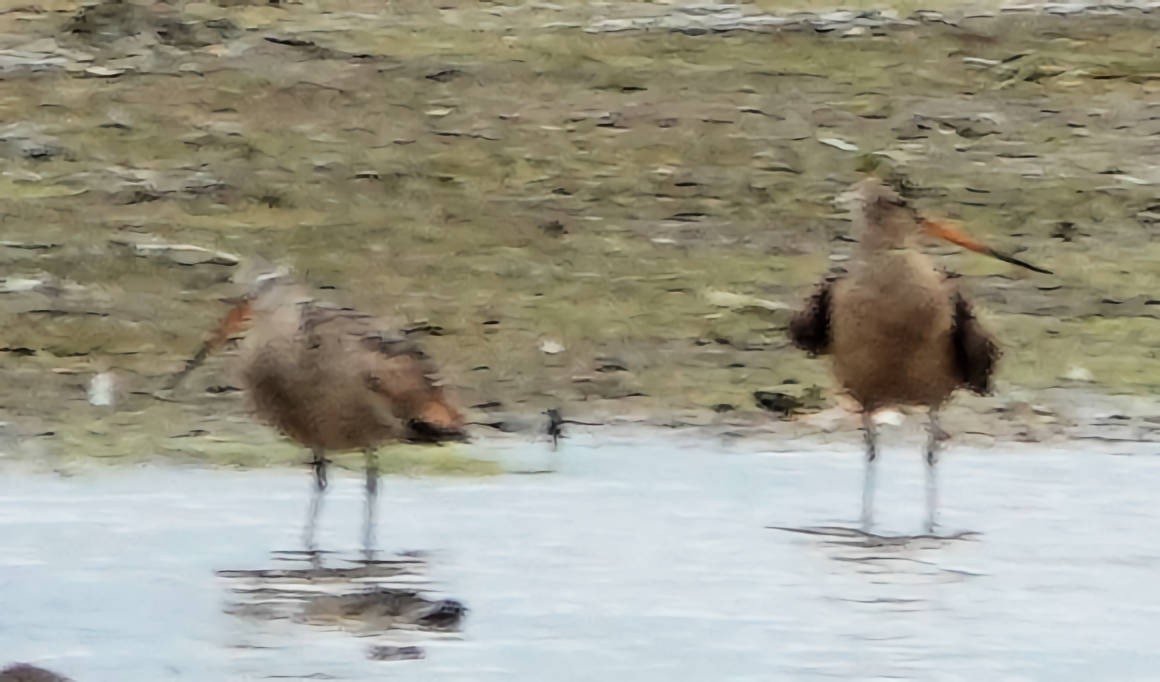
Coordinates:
[332,379]
[898,330]
[926,368]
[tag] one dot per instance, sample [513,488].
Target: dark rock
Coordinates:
[221,389]
[20,140]
[554,228]
[777,402]
[970,127]
[29,246]
[19,351]
[443,75]
[423,327]
[128,197]
[610,364]
[1065,230]
[22,672]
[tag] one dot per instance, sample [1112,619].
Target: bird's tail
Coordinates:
[234,321]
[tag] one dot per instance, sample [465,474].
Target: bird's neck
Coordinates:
[882,242]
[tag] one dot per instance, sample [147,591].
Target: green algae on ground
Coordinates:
[128,439]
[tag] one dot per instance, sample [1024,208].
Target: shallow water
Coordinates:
[636,560]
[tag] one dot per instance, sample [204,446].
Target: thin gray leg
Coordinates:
[933,445]
[372,496]
[868,480]
[319,466]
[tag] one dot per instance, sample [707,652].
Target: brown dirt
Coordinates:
[496,185]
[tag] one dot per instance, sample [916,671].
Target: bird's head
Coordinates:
[885,219]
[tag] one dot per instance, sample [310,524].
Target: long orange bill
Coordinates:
[234,321]
[945,230]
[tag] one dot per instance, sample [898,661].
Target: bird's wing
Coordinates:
[314,316]
[976,351]
[407,380]
[391,366]
[809,329]
[366,333]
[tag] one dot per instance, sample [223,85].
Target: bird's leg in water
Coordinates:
[372,497]
[868,480]
[319,466]
[933,444]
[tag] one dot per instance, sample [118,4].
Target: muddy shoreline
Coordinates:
[1068,418]
[569,214]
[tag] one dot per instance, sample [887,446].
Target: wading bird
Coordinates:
[897,329]
[331,379]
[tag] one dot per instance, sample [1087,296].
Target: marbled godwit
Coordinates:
[898,329]
[331,379]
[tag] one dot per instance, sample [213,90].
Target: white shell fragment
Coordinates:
[102,389]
